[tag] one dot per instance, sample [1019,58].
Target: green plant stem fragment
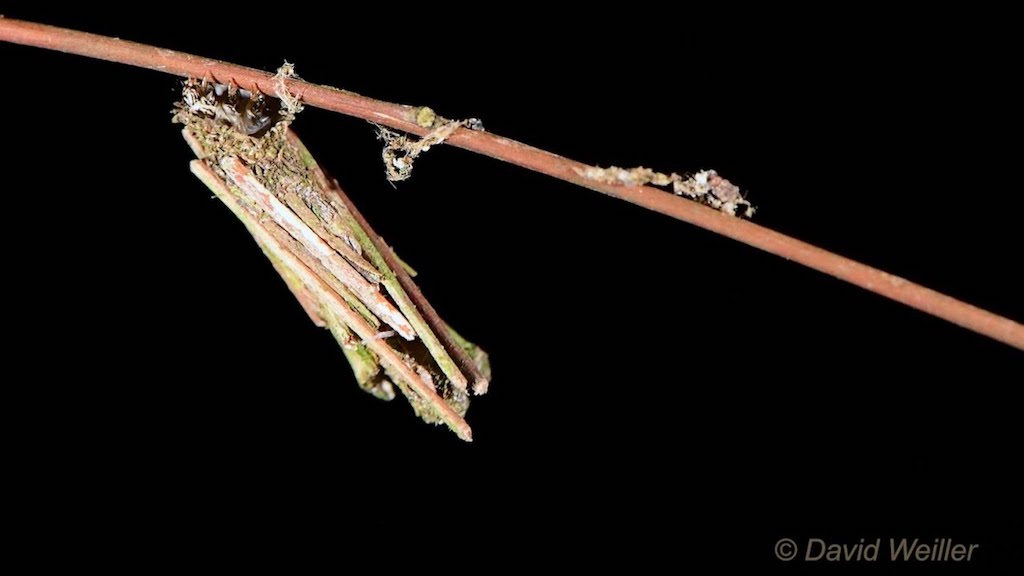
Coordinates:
[390,281]
[326,308]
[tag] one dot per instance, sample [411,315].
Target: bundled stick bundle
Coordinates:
[344,275]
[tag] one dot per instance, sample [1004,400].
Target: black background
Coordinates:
[660,393]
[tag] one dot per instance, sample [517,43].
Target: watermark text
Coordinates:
[876,550]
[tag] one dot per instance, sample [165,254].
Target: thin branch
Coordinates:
[404,118]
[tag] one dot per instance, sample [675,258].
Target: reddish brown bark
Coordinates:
[404,118]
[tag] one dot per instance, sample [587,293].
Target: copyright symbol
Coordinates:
[785,549]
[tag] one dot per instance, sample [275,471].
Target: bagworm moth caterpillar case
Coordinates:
[344,276]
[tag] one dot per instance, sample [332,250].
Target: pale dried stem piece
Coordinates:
[367,293]
[332,237]
[451,357]
[286,239]
[365,365]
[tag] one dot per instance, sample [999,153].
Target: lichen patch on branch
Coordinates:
[289,101]
[705,186]
[401,150]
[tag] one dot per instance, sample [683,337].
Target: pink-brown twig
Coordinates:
[404,118]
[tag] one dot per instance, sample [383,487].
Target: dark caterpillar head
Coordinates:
[249,113]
